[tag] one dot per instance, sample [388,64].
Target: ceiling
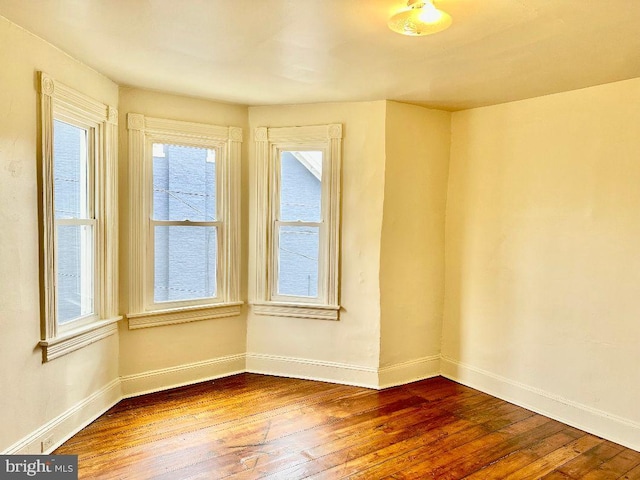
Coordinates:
[258,52]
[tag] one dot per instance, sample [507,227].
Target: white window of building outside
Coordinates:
[297,210]
[79,139]
[185,182]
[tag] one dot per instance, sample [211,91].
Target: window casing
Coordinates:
[79,214]
[184,227]
[297,221]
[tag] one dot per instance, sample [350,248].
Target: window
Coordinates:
[185,184]
[184,225]
[298,206]
[79,139]
[75,222]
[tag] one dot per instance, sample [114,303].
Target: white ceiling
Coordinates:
[258,52]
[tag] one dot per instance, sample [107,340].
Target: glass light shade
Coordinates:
[420,19]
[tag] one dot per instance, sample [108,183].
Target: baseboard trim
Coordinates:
[407,372]
[306,369]
[181,375]
[70,422]
[67,424]
[591,420]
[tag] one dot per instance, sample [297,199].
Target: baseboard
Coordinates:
[591,420]
[407,372]
[187,374]
[312,370]
[67,424]
[64,426]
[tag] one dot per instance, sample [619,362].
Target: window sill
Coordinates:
[73,340]
[173,316]
[297,310]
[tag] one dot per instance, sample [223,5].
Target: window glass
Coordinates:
[298,261]
[74,270]
[70,171]
[185,262]
[301,186]
[74,223]
[184,183]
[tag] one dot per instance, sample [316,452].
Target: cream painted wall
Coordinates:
[354,339]
[33,393]
[542,248]
[412,245]
[175,346]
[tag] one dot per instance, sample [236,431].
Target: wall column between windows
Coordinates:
[109,195]
[261,209]
[135,124]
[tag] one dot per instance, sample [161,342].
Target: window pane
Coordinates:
[70,171]
[184,183]
[185,263]
[300,186]
[298,261]
[74,267]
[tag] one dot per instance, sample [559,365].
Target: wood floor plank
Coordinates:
[249,434]
[390,461]
[550,462]
[298,441]
[590,460]
[632,474]
[146,428]
[616,467]
[508,464]
[472,456]
[252,426]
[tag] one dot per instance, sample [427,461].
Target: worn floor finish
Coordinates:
[254,426]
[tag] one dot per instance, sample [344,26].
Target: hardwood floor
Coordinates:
[253,426]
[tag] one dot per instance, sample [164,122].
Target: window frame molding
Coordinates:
[57,101]
[227,141]
[269,141]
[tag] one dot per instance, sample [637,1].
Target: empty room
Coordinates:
[320,239]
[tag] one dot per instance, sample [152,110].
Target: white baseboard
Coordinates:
[312,370]
[597,422]
[187,374]
[407,372]
[70,422]
[64,426]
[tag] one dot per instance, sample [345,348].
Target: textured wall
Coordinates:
[412,245]
[33,393]
[542,258]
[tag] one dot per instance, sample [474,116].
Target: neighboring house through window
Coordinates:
[79,172]
[185,225]
[297,211]
[297,230]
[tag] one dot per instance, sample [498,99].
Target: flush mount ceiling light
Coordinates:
[420,18]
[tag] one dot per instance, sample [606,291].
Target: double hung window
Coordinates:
[297,205]
[74,219]
[185,224]
[79,219]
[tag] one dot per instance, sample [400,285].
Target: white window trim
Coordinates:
[57,101]
[143,132]
[269,142]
